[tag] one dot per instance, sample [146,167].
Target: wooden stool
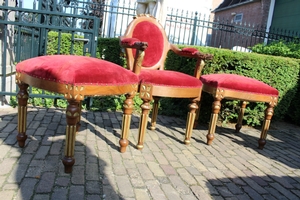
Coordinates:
[237,87]
[75,77]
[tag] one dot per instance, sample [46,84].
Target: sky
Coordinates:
[185,5]
[27,3]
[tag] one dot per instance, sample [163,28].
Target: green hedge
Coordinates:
[293,114]
[65,44]
[286,49]
[109,49]
[279,48]
[281,73]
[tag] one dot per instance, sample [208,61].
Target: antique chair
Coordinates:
[237,87]
[146,47]
[75,77]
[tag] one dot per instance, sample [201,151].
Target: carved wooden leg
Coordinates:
[72,114]
[239,123]
[22,113]
[197,114]
[190,121]
[78,125]
[127,111]
[268,116]
[216,106]
[143,123]
[154,113]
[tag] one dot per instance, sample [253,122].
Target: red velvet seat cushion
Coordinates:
[76,70]
[237,82]
[169,78]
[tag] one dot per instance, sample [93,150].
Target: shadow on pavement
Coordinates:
[252,186]
[36,171]
[232,167]
[282,140]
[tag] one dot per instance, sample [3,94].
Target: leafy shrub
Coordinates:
[56,100]
[279,48]
[101,103]
[285,49]
[109,49]
[61,43]
[279,72]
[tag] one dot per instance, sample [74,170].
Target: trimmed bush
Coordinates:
[64,47]
[285,49]
[109,49]
[281,73]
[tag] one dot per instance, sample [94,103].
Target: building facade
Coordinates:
[248,14]
[286,14]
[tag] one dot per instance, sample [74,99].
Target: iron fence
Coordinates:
[24,32]
[192,27]
[182,27]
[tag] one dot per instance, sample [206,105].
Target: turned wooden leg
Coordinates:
[154,113]
[197,114]
[78,125]
[127,111]
[216,106]
[143,123]
[190,121]
[72,114]
[268,116]
[22,113]
[239,123]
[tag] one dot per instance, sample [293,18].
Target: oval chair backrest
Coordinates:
[147,29]
[148,32]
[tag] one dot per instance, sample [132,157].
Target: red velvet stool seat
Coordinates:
[75,77]
[237,87]
[155,84]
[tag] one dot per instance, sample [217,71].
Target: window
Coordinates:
[238,17]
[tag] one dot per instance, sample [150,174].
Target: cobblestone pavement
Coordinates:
[231,168]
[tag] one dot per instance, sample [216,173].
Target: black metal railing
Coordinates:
[24,32]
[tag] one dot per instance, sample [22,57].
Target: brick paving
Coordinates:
[231,168]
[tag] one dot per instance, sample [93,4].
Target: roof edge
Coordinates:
[233,6]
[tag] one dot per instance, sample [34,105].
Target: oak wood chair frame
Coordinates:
[149,92]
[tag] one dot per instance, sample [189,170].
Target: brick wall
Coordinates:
[255,14]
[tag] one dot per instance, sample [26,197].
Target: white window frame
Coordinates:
[239,16]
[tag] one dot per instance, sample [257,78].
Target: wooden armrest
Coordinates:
[140,52]
[133,43]
[191,52]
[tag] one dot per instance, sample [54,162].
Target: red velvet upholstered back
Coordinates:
[148,32]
